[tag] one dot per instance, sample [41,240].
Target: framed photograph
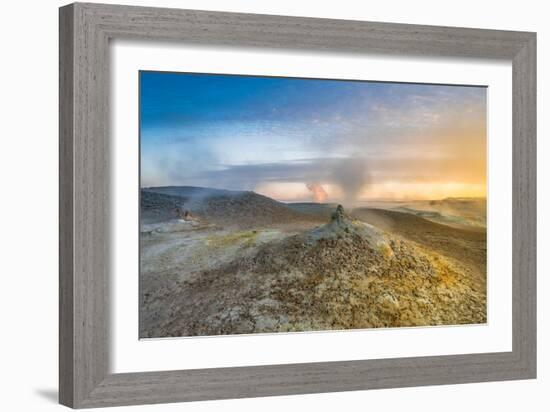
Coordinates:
[256,205]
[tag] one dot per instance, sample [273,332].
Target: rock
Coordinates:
[338,215]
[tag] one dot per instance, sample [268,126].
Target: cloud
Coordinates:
[350,143]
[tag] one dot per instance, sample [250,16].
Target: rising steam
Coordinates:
[352,177]
[349,175]
[319,194]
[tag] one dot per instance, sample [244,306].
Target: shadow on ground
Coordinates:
[50,395]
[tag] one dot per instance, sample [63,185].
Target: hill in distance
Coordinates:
[227,207]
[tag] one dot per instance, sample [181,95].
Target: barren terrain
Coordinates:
[220,262]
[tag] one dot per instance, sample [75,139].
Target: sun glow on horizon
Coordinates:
[313,140]
[389,191]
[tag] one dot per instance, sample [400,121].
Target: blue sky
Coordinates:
[281,136]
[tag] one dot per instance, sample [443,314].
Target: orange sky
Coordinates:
[313,139]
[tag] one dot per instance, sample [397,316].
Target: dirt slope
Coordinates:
[342,275]
[465,247]
[224,207]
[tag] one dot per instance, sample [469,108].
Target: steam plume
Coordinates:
[351,176]
[319,194]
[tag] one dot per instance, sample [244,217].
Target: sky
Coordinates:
[313,140]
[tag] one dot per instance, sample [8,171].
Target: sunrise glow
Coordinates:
[313,140]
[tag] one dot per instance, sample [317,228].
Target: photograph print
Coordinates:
[273,204]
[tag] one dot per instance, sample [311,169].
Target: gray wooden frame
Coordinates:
[85,31]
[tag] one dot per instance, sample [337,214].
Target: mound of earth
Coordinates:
[473,208]
[458,212]
[345,274]
[466,247]
[157,207]
[244,209]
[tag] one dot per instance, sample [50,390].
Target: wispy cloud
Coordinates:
[350,137]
